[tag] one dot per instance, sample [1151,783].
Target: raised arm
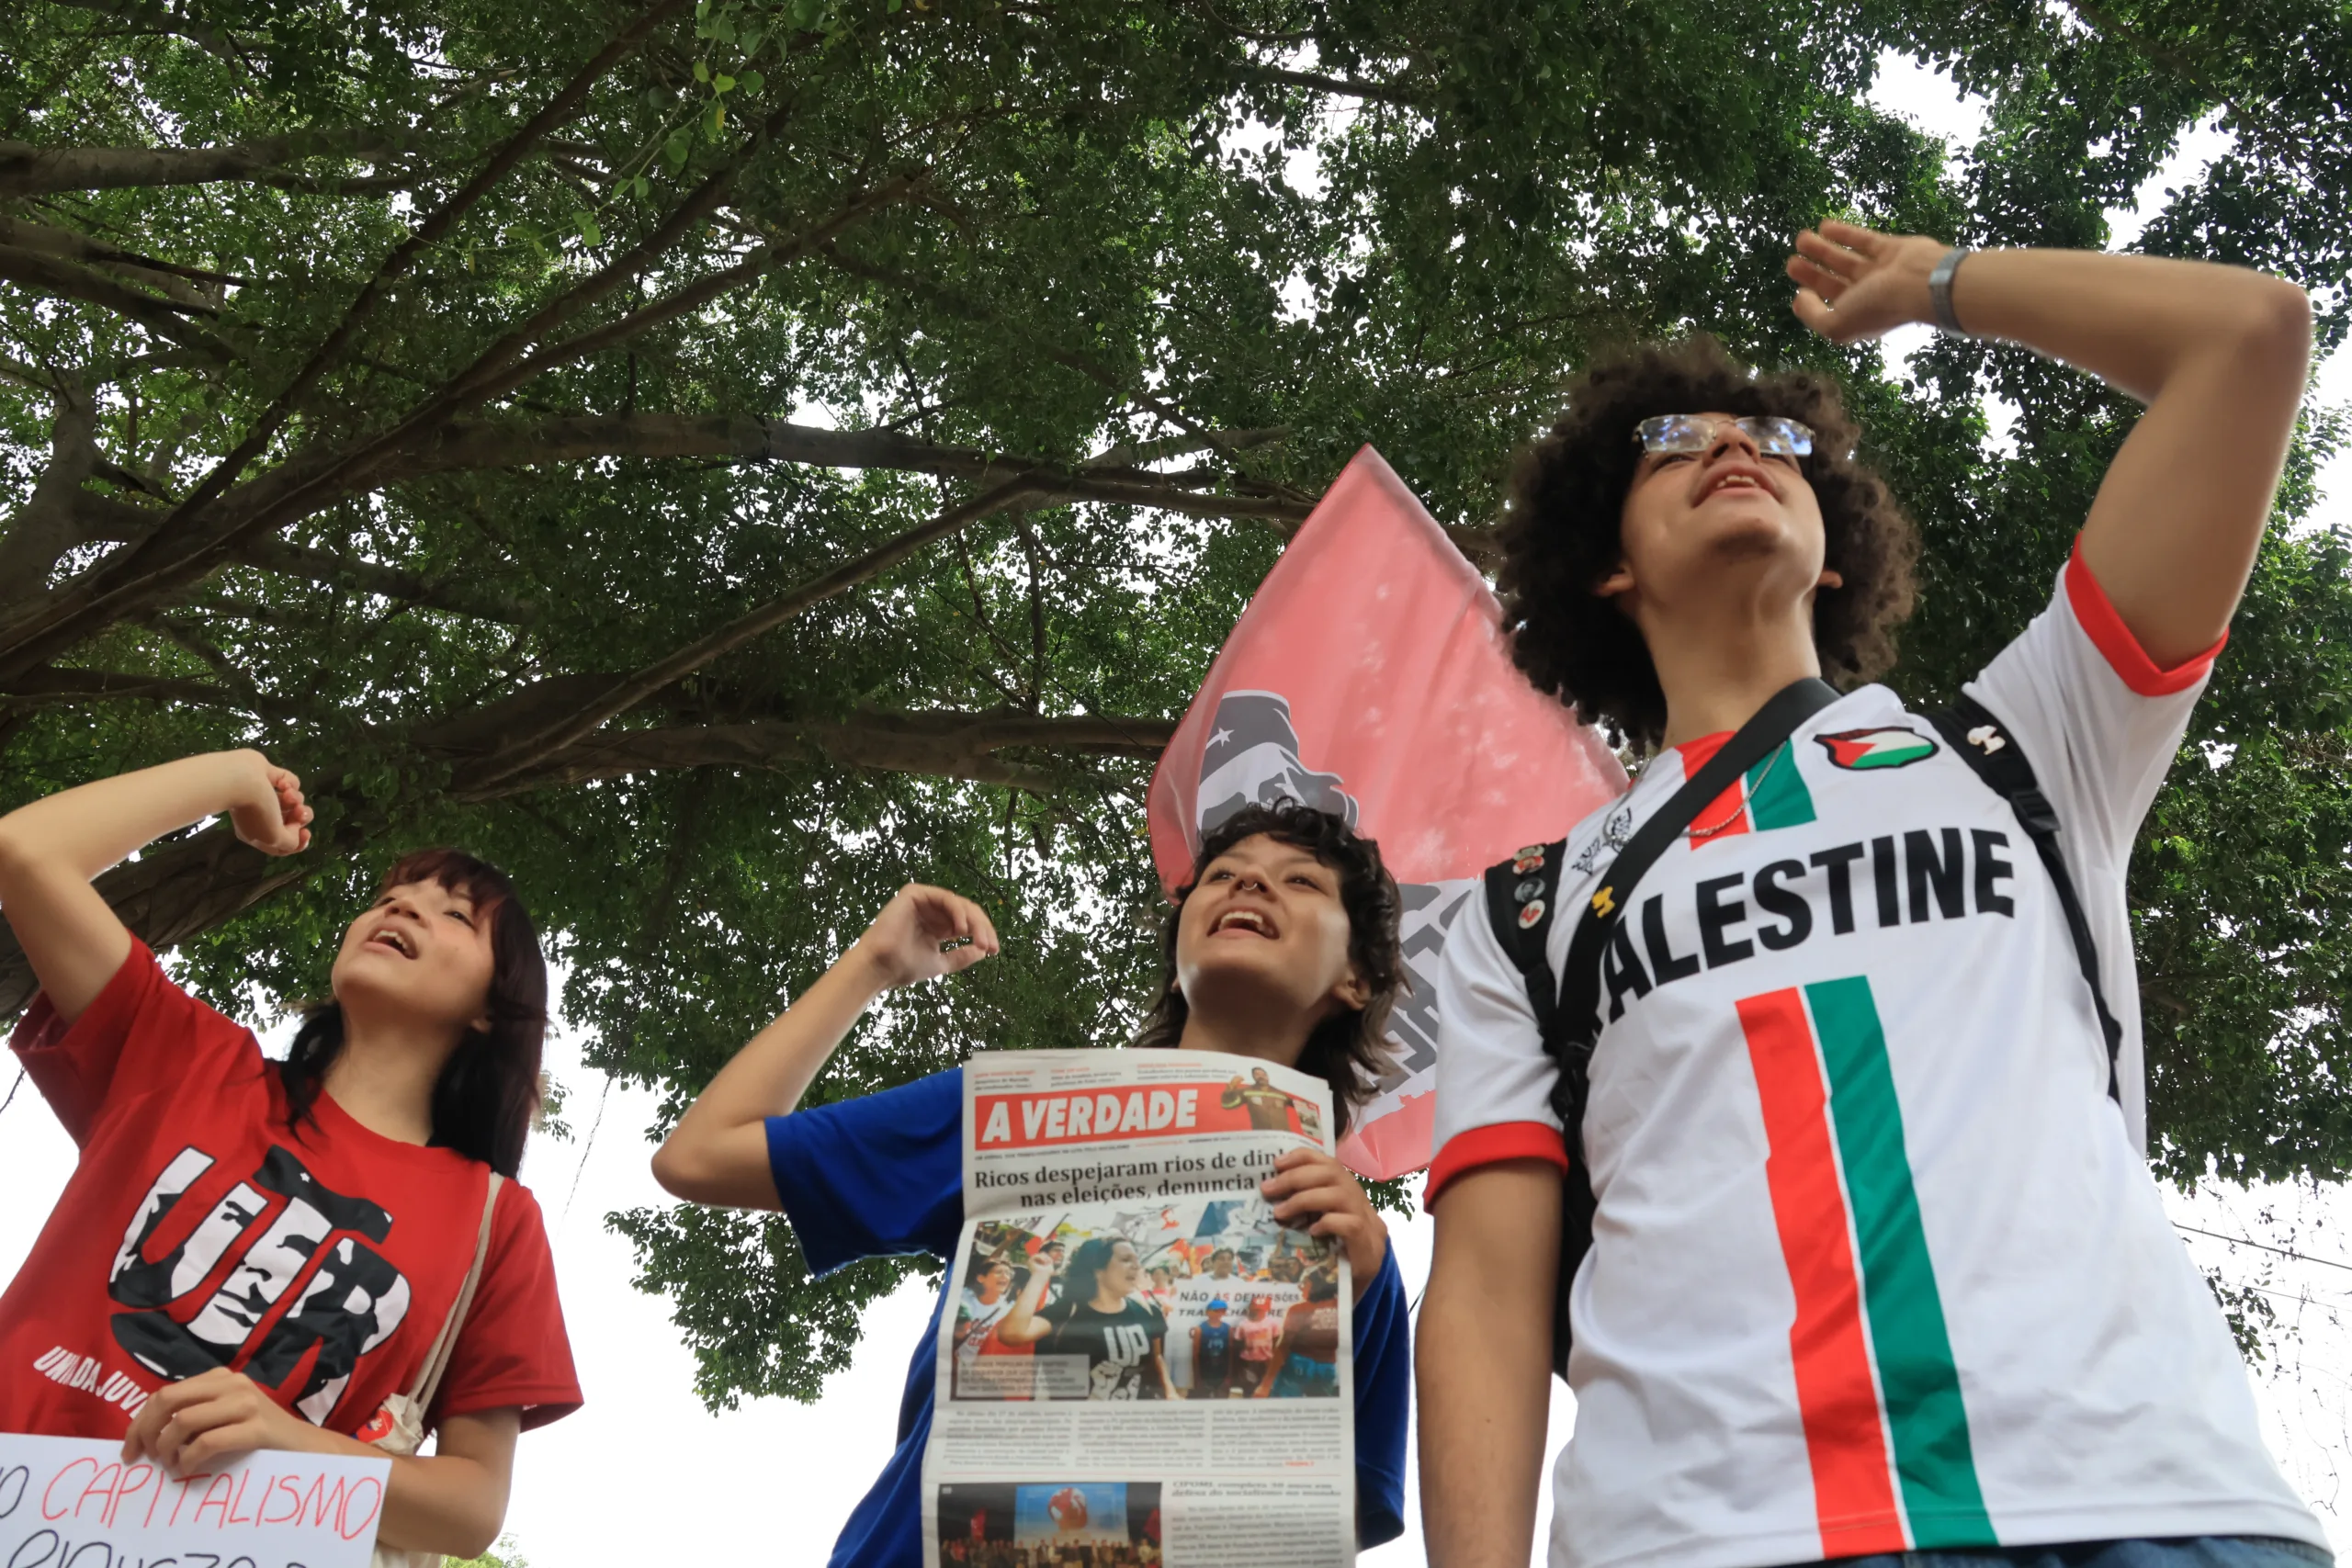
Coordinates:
[718,1152]
[2219,353]
[50,848]
[1022,1325]
[1483,1363]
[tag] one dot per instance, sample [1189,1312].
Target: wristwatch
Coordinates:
[1939,289]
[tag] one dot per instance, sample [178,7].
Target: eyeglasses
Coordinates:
[1691,434]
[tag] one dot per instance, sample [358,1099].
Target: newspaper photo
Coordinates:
[1138,1364]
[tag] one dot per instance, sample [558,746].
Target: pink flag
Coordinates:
[1369,678]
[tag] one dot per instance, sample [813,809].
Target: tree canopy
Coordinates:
[724,459]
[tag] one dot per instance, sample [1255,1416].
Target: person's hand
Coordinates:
[1309,1181]
[271,816]
[187,1426]
[1854,284]
[908,940]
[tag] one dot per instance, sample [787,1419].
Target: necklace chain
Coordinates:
[1697,832]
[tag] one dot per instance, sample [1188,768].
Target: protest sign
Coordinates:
[1370,678]
[73,1503]
[1136,1358]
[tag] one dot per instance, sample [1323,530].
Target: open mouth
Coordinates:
[1735,478]
[397,942]
[1249,921]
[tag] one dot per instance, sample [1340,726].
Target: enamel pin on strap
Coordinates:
[1939,289]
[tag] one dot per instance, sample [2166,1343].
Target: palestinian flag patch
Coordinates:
[1863,750]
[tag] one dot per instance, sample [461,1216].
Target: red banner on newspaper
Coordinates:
[1169,1110]
[1369,678]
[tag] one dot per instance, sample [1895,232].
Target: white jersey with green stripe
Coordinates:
[1878,1264]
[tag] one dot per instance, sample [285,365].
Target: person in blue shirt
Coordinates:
[1284,947]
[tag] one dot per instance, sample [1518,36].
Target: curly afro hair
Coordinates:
[1346,1050]
[1562,533]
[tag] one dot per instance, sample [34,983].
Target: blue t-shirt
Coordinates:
[884,1174]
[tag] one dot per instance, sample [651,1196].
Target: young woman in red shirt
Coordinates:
[323,1255]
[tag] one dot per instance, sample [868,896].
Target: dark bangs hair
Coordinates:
[488,1093]
[1562,531]
[1346,1050]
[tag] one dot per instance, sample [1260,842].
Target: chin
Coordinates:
[1261,977]
[366,975]
[1761,528]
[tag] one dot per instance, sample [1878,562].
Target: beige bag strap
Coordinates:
[428,1380]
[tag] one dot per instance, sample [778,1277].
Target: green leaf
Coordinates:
[751,81]
[723,84]
[678,149]
[589,234]
[702,71]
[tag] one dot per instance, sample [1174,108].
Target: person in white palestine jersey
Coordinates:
[1877,1263]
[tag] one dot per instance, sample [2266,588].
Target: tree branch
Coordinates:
[1344,87]
[392,582]
[174,554]
[528,747]
[938,745]
[174,282]
[157,19]
[971,310]
[28,170]
[485,444]
[764,259]
[49,524]
[38,688]
[69,280]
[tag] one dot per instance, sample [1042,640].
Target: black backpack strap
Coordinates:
[1992,750]
[1523,900]
[1520,895]
[1574,1024]
[1580,976]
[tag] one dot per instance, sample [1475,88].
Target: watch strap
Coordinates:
[1939,289]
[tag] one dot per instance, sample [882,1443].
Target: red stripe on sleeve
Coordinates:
[2118,646]
[1492,1146]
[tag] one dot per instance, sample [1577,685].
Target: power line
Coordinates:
[2266,1247]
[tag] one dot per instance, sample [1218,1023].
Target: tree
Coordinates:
[723,461]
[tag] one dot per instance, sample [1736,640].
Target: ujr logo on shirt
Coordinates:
[351,1302]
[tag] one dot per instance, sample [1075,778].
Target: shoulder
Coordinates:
[920,1111]
[519,1256]
[2077,655]
[516,1215]
[143,1034]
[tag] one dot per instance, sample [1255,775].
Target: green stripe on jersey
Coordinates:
[1941,1500]
[1776,794]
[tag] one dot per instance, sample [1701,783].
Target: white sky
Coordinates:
[773,1481]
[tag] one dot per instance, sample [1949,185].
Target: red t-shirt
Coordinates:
[198,1231]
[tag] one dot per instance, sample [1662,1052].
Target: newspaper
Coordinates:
[1138,1365]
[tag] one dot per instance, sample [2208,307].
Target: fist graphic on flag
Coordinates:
[1369,679]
